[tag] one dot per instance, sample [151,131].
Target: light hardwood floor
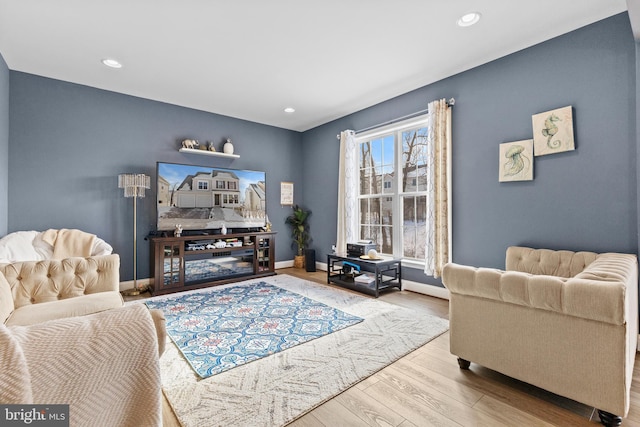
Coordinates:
[427,388]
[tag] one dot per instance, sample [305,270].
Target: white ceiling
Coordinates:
[252,58]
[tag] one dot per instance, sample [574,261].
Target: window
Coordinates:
[220,185]
[232,185]
[392,188]
[203,185]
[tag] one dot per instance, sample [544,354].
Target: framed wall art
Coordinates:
[286,193]
[553,131]
[516,161]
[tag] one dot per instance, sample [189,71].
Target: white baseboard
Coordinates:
[283,264]
[289,263]
[423,288]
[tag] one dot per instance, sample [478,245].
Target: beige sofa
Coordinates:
[564,321]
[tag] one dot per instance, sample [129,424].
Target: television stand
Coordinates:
[199,261]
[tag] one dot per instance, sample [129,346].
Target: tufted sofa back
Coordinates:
[34,282]
[547,262]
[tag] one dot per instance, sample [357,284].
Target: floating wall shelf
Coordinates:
[209,153]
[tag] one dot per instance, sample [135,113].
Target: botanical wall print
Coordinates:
[516,161]
[553,131]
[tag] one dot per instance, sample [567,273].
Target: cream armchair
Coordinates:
[563,321]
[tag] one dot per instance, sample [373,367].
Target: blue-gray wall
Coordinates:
[69,142]
[580,200]
[4,145]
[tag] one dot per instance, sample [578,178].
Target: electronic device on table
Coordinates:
[360,248]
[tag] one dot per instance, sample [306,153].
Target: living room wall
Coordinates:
[69,142]
[4,144]
[580,200]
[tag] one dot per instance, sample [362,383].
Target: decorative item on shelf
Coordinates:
[212,147]
[223,230]
[228,147]
[204,147]
[350,269]
[134,186]
[298,220]
[178,230]
[190,143]
[267,226]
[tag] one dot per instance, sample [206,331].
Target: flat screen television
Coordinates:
[205,197]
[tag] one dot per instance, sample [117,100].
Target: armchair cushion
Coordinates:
[38,313]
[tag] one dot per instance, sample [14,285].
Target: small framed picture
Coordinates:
[516,161]
[553,131]
[286,193]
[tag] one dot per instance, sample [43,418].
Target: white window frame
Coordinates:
[395,129]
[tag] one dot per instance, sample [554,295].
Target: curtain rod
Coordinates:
[451,102]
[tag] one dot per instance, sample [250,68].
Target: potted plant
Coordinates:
[300,233]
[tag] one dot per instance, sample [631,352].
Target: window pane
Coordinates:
[386,243]
[364,211]
[373,233]
[414,230]
[374,206]
[365,183]
[414,151]
[365,232]
[376,180]
[387,212]
[365,155]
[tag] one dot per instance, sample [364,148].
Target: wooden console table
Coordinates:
[192,262]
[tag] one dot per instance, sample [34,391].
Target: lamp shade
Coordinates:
[134,184]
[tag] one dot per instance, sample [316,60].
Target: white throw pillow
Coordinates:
[100,247]
[18,246]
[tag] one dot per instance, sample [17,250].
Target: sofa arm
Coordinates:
[34,282]
[589,299]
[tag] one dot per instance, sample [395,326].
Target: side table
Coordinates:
[382,274]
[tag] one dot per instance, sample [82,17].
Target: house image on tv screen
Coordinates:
[200,197]
[206,190]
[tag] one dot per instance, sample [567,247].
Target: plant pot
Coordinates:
[298,261]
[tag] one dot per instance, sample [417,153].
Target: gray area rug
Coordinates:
[277,389]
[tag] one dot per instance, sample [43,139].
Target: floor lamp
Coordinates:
[134,185]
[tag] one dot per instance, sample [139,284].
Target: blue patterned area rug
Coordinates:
[220,329]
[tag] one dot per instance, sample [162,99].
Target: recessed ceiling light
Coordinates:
[112,63]
[289,110]
[468,19]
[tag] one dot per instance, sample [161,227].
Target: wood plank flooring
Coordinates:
[427,388]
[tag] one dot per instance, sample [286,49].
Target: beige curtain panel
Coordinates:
[438,245]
